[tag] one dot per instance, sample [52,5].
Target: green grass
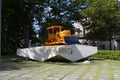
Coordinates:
[108,54]
[54,68]
[111,62]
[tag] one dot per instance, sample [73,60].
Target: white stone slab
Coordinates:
[71,52]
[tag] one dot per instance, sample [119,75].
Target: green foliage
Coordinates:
[17,25]
[60,13]
[104,15]
[108,54]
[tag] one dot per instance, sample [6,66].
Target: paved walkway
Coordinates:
[30,70]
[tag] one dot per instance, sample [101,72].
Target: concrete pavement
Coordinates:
[31,70]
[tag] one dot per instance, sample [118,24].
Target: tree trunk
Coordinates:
[26,31]
[110,45]
[0,25]
[83,31]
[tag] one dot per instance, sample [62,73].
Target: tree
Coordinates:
[57,12]
[0,26]
[17,24]
[104,20]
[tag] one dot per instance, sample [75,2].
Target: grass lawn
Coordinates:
[103,69]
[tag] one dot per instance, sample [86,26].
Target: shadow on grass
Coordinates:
[7,64]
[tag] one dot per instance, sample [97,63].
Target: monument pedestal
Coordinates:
[73,52]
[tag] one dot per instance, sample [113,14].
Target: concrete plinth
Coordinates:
[71,52]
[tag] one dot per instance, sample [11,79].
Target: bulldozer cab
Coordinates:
[55,36]
[54,29]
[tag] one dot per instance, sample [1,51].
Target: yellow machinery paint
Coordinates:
[56,35]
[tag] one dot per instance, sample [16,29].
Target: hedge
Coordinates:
[108,54]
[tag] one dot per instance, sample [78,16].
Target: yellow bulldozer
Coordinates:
[58,36]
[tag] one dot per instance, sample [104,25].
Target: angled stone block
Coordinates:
[73,52]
